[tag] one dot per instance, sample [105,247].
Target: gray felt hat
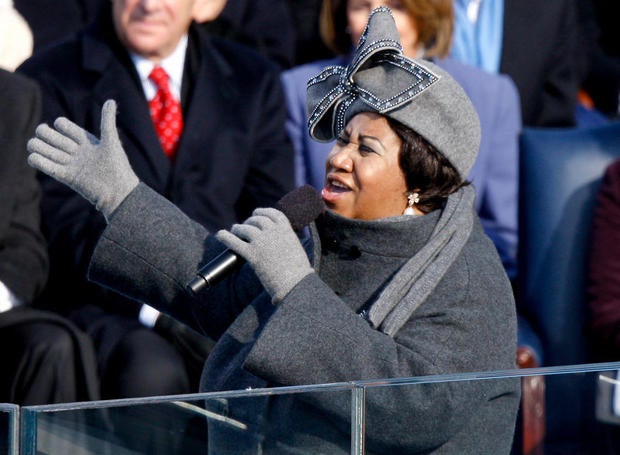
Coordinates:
[381,79]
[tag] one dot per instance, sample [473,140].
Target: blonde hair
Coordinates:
[434,20]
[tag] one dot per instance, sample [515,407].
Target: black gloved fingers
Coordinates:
[51,153]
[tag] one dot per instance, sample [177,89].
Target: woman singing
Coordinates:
[396,279]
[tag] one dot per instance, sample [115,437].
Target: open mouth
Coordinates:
[333,189]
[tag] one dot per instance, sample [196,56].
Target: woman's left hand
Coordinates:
[268,243]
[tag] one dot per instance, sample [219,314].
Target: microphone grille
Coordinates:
[301,206]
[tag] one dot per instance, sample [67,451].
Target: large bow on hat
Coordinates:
[379,76]
[381,79]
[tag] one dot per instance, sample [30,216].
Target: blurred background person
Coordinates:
[228,153]
[266,25]
[16,41]
[425,27]
[600,51]
[604,268]
[44,358]
[208,10]
[309,45]
[54,22]
[603,294]
[533,42]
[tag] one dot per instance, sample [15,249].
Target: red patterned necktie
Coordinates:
[165,112]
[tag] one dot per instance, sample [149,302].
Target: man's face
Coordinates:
[151,28]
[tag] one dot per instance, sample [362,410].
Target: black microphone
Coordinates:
[301,206]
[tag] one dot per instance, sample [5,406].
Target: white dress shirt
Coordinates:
[173,65]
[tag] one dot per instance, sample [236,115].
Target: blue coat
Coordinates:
[494,174]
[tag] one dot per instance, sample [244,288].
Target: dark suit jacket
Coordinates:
[233,156]
[23,253]
[539,53]
[51,24]
[266,25]
[309,44]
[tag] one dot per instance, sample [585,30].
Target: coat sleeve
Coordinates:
[126,261]
[23,253]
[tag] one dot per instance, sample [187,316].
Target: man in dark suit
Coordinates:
[44,358]
[232,156]
[539,52]
[533,42]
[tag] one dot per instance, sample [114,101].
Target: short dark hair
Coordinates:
[425,169]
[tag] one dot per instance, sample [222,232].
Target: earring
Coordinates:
[412,199]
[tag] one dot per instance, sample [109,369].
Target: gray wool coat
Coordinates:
[150,251]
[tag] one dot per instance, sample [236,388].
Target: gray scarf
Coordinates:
[417,278]
[415,281]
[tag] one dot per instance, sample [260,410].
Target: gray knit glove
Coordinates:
[97,169]
[268,243]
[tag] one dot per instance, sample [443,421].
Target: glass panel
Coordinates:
[457,416]
[561,410]
[9,418]
[249,422]
[556,410]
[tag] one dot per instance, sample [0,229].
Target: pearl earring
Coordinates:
[412,198]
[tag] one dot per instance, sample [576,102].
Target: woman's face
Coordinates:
[363,175]
[357,18]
